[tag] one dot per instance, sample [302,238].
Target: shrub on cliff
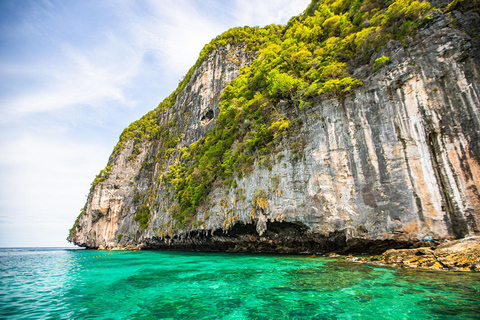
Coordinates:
[142,216]
[380,62]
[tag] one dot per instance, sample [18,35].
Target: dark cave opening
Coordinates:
[208,116]
[280,237]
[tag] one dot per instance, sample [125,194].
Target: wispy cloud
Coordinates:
[260,13]
[94,75]
[171,32]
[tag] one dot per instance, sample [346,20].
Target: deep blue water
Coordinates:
[53,283]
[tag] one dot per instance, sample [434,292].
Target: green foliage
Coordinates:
[380,62]
[279,128]
[403,11]
[136,197]
[339,86]
[119,237]
[102,176]
[463,5]
[297,148]
[275,181]
[142,216]
[282,85]
[147,166]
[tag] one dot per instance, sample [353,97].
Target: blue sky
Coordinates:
[73,75]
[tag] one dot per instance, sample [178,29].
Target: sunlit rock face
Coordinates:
[110,207]
[458,255]
[396,160]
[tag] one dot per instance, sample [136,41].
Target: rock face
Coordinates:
[459,255]
[108,216]
[394,161]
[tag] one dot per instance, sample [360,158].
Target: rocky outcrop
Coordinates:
[459,255]
[396,160]
[108,219]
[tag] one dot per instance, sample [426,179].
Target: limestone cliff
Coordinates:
[384,165]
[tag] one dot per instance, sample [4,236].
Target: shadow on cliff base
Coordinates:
[280,237]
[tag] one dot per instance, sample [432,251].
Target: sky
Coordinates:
[73,75]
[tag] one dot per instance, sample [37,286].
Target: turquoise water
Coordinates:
[83,284]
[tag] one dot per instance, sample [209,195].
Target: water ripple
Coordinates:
[83,284]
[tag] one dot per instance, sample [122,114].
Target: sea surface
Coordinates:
[55,283]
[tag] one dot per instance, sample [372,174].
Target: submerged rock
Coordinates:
[459,255]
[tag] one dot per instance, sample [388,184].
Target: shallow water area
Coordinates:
[85,284]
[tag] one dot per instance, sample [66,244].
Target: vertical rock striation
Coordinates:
[396,160]
[131,173]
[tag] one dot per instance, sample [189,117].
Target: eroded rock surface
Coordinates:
[459,255]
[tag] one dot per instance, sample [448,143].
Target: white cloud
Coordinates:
[173,32]
[260,13]
[92,77]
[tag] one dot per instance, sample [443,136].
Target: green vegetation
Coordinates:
[463,5]
[102,176]
[380,62]
[314,54]
[142,216]
[119,237]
